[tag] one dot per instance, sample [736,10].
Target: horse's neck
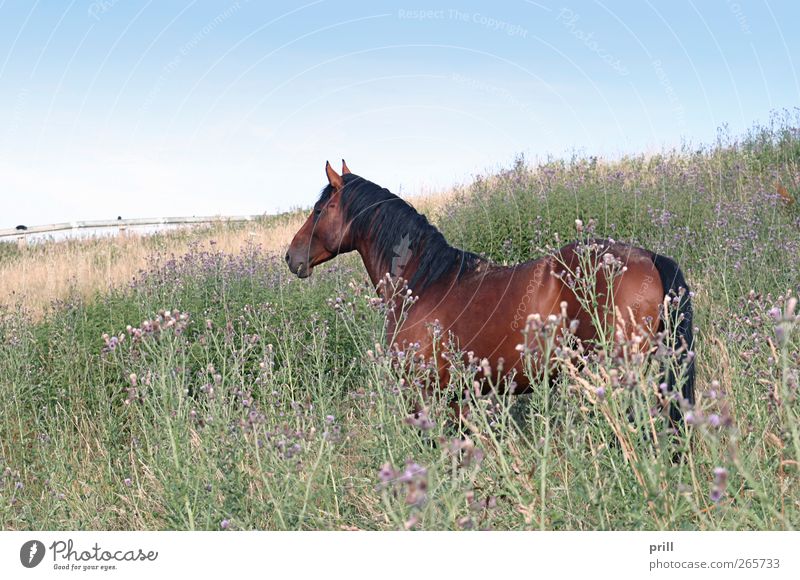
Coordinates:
[372,263]
[377,269]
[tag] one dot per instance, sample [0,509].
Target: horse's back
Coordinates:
[486,310]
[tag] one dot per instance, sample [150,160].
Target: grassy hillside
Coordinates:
[35,275]
[186,384]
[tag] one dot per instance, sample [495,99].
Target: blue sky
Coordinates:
[158,108]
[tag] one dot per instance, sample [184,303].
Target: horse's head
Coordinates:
[325,234]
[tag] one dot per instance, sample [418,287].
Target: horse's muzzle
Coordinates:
[298,267]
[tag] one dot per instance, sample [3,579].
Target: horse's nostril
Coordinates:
[287,257]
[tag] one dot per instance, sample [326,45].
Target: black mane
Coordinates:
[377,213]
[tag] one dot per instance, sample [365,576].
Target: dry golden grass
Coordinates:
[52,270]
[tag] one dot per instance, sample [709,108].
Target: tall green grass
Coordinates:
[243,398]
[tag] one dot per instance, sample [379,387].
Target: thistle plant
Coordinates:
[216,391]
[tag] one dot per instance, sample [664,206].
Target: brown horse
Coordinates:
[483,305]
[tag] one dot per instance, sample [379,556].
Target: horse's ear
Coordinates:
[345,168]
[333,178]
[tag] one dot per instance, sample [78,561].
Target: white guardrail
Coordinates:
[121,224]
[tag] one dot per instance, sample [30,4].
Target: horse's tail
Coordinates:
[679,323]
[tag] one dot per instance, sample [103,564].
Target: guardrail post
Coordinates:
[22,242]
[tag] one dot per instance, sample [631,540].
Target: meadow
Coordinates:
[188,380]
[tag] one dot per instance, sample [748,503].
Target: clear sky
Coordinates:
[156,108]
